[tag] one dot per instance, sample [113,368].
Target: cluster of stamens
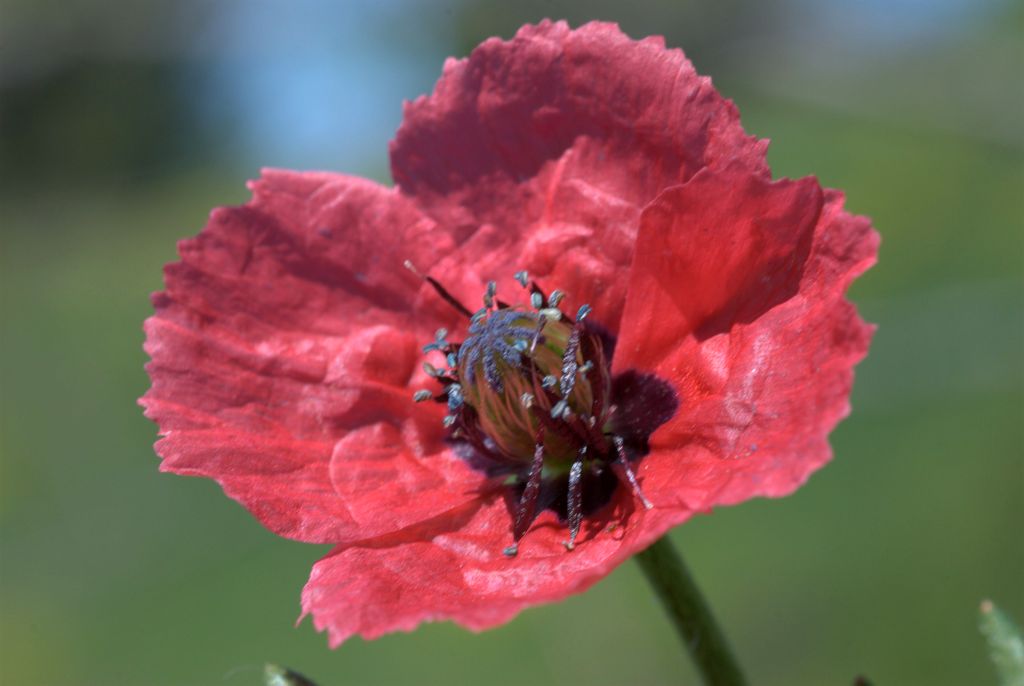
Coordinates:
[530,387]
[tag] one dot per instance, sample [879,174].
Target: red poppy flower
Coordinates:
[713,357]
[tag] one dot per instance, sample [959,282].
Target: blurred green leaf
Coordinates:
[282,676]
[1004,643]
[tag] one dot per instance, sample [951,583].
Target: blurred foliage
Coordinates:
[92,122]
[1004,643]
[113,574]
[275,675]
[706,30]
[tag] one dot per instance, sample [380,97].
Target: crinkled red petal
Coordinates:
[462,575]
[736,297]
[283,353]
[538,153]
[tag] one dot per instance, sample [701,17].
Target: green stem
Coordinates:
[691,615]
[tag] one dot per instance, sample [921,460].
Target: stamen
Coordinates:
[528,501]
[523,277]
[551,313]
[560,410]
[422,395]
[445,295]
[536,300]
[583,312]
[598,382]
[448,421]
[534,288]
[555,297]
[625,471]
[492,289]
[575,504]
[454,397]
[536,333]
[569,364]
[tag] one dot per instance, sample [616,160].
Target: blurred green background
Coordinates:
[122,124]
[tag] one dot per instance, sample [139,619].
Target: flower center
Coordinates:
[530,388]
[525,371]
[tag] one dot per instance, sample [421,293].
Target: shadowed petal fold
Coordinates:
[736,298]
